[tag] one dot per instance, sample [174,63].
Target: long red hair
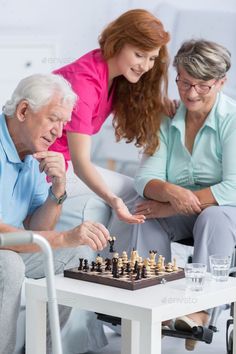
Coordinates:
[138,106]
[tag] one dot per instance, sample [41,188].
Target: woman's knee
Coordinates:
[211,215]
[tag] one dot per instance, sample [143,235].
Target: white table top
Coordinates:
[164,300]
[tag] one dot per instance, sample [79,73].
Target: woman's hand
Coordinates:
[150,209]
[183,200]
[170,107]
[123,212]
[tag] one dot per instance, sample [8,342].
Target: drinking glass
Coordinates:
[220,267]
[195,276]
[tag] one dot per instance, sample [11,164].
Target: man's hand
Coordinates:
[53,164]
[123,212]
[89,233]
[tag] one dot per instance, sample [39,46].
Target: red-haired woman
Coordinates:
[127,76]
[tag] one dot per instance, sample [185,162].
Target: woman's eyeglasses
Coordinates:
[201,89]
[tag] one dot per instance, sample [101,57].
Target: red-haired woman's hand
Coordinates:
[123,213]
[170,107]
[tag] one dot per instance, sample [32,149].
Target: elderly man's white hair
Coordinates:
[38,90]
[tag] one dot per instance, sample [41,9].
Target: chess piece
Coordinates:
[115,271]
[128,269]
[80,264]
[107,264]
[169,267]
[138,276]
[147,266]
[93,264]
[152,256]
[122,269]
[86,266]
[135,267]
[99,267]
[124,257]
[144,272]
[116,255]
[99,259]
[159,263]
[175,268]
[114,264]
[111,242]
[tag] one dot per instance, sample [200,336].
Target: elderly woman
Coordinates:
[190,181]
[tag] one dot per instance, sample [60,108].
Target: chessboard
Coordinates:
[130,274]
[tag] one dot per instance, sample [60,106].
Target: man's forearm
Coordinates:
[45,217]
[56,239]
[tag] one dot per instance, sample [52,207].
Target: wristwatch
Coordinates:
[59,200]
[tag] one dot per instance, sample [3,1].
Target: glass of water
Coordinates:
[220,266]
[195,276]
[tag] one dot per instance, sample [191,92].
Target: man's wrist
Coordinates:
[57,199]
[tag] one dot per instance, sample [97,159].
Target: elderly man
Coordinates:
[31,121]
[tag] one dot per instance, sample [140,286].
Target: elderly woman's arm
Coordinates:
[206,198]
[150,182]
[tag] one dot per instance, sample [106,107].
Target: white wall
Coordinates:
[76,24]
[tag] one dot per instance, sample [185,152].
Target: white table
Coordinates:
[142,311]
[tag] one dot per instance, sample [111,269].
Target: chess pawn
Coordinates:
[169,267]
[133,256]
[175,268]
[159,263]
[147,266]
[163,268]
[120,262]
[99,259]
[132,260]
[116,255]
[124,257]
[86,266]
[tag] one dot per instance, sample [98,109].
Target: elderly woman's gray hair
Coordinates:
[38,90]
[204,60]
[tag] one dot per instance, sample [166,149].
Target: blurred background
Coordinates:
[39,36]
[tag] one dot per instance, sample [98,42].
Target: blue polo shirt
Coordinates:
[213,159]
[22,187]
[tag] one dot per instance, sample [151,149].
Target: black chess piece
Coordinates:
[128,269]
[111,242]
[135,267]
[93,266]
[144,272]
[80,264]
[99,267]
[138,276]
[86,266]
[107,264]
[115,271]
